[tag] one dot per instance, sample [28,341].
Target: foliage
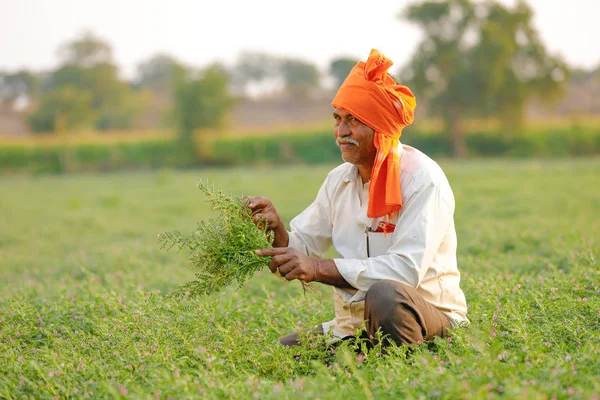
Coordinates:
[17,85]
[221,248]
[340,67]
[85,314]
[91,156]
[159,74]
[479,60]
[253,68]
[201,101]
[86,51]
[86,71]
[63,110]
[300,76]
[278,148]
[319,147]
[293,147]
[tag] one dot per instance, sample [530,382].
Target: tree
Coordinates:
[158,74]
[583,76]
[87,68]
[340,67]
[62,110]
[86,51]
[202,100]
[15,86]
[101,80]
[253,68]
[110,97]
[300,76]
[479,60]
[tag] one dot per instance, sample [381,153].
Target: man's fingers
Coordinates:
[249,200]
[246,200]
[272,252]
[277,261]
[287,269]
[258,202]
[293,273]
[273,266]
[281,259]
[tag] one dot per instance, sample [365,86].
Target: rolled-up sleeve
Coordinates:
[422,225]
[310,231]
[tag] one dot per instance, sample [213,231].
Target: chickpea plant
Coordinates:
[222,248]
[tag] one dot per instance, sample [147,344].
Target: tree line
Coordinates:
[476,60]
[85,90]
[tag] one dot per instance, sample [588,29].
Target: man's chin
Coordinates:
[349,159]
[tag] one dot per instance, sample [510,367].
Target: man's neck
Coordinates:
[365,172]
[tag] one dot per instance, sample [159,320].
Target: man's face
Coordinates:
[354,138]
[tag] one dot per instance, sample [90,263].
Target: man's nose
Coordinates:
[343,129]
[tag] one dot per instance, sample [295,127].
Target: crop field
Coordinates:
[83,312]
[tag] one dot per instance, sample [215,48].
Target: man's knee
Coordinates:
[385,295]
[388,305]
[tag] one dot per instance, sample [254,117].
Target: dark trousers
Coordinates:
[399,312]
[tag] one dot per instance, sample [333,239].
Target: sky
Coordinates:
[200,32]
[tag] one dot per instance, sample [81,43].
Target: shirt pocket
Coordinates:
[378,243]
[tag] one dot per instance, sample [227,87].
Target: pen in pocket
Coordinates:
[367,230]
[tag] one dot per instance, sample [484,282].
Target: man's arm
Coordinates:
[281,237]
[425,219]
[293,264]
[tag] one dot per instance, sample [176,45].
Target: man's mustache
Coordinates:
[342,140]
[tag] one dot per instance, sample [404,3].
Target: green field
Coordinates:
[83,312]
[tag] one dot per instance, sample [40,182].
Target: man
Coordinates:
[388,212]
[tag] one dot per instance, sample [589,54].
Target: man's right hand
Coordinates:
[264,212]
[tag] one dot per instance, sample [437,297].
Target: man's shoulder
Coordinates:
[418,171]
[420,166]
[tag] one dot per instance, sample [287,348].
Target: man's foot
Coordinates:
[293,339]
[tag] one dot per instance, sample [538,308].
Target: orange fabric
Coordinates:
[372,96]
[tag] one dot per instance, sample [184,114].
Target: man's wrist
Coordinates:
[317,269]
[326,272]
[281,236]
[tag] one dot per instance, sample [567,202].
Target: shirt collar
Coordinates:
[351,174]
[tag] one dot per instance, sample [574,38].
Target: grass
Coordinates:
[83,311]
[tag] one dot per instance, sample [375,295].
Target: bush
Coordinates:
[310,147]
[319,146]
[305,148]
[89,157]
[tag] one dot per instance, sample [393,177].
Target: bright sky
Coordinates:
[199,32]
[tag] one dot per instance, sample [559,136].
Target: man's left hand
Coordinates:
[291,263]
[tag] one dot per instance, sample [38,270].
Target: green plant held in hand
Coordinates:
[222,248]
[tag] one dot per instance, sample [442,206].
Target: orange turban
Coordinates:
[372,96]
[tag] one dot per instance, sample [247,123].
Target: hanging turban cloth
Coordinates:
[372,96]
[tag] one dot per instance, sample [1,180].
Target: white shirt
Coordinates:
[420,252]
